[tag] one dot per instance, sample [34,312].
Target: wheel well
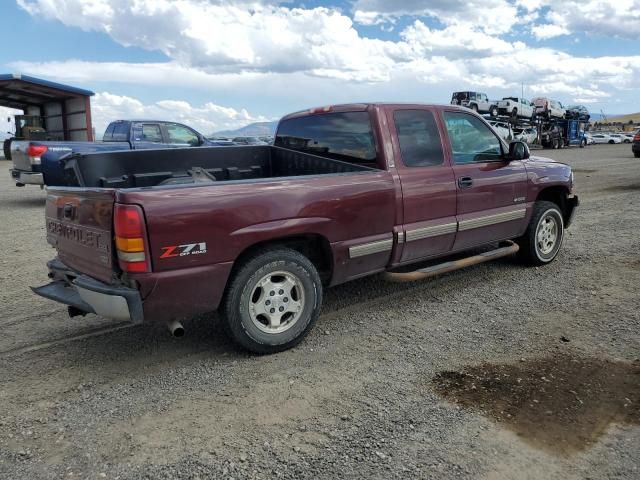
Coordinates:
[557,195]
[313,246]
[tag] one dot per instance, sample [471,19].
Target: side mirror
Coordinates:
[518,151]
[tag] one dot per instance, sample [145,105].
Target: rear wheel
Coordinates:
[493,111]
[542,241]
[273,301]
[636,154]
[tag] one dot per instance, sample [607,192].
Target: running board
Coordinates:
[446,267]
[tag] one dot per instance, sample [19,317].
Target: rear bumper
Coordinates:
[27,178]
[160,297]
[92,296]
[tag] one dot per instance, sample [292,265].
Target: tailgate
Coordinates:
[79,226]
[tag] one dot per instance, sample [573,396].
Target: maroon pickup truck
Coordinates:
[258,232]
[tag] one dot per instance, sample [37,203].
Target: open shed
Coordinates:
[65,110]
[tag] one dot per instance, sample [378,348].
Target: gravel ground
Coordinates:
[497,371]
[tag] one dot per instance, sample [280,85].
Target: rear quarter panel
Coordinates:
[345,209]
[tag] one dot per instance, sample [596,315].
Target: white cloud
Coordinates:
[230,37]
[491,16]
[454,41]
[548,30]
[619,19]
[206,118]
[308,56]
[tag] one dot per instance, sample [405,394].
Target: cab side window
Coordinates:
[471,140]
[419,138]
[182,135]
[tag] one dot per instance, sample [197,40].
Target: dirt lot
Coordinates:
[494,372]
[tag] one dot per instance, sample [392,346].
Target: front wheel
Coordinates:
[273,301]
[542,241]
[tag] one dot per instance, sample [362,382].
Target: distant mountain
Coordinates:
[257,129]
[634,117]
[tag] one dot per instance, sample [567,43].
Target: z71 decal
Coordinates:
[184,250]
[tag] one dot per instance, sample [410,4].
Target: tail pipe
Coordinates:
[176,328]
[509,249]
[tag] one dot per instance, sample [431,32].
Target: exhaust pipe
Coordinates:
[509,249]
[176,328]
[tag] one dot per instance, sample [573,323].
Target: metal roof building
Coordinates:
[65,110]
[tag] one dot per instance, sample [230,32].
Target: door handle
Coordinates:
[465,182]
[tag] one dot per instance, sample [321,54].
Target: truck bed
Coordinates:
[205,165]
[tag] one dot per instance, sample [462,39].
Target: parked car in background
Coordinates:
[38,162]
[516,107]
[627,137]
[476,101]
[503,129]
[549,108]
[578,112]
[616,137]
[589,138]
[528,135]
[321,207]
[635,146]
[605,138]
[248,141]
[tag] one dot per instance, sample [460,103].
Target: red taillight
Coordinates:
[128,223]
[636,137]
[34,152]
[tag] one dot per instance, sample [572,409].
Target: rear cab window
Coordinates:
[344,136]
[120,132]
[108,134]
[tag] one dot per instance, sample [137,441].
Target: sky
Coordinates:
[219,64]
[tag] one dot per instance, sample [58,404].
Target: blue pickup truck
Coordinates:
[39,162]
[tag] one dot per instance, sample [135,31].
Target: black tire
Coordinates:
[514,114]
[535,253]
[636,154]
[611,142]
[583,143]
[242,291]
[493,111]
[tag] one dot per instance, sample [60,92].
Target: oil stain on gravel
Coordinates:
[561,404]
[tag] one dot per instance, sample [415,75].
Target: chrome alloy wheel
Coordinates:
[547,234]
[276,302]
